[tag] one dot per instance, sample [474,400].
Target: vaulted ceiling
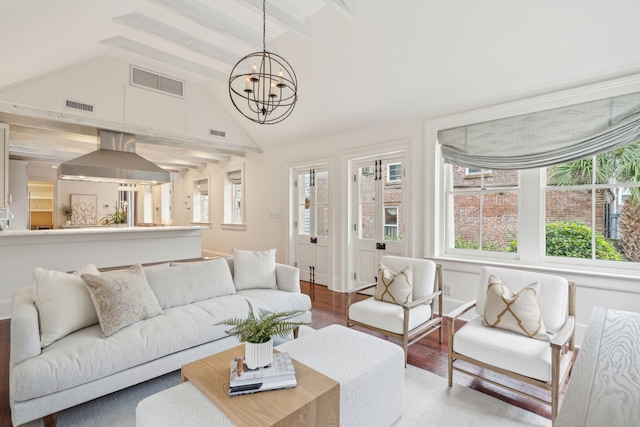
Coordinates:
[359,62]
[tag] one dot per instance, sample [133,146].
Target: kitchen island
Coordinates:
[70,248]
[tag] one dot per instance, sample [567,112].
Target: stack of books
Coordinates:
[277,375]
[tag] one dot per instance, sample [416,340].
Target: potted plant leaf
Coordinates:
[257,333]
[67,212]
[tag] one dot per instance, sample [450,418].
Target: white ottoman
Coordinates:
[183,405]
[370,372]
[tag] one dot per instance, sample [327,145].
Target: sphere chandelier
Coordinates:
[263,86]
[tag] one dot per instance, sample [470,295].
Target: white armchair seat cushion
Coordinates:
[508,350]
[388,317]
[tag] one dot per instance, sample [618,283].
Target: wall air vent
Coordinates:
[217,133]
[156,82]
[78,105]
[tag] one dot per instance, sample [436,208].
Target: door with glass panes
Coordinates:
[311,223]
[378,226]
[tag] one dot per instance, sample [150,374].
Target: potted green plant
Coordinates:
[257,333]
[67,212]
[119,216]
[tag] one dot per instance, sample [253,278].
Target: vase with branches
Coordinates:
[67,212]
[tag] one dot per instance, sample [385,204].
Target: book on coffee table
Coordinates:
[279,374]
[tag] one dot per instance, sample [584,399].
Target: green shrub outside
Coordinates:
[573,239]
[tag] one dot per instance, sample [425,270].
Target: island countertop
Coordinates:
[98,230]
[67,249]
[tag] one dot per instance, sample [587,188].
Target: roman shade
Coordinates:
[546,137]
[235,177]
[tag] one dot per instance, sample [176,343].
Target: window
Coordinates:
[483,210]
[200,198]
[234,191]
[394,172]
[390,223]
[591,203]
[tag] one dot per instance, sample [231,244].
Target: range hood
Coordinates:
[114,161]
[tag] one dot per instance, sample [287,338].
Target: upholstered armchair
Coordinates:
[508,337]
[408,317]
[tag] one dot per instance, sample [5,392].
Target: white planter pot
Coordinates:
[258,355]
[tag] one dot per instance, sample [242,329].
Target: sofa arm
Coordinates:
[288,278]
[25,330]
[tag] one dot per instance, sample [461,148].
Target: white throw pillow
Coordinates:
[121,298]
[63,302]
[254,269]
[394,287]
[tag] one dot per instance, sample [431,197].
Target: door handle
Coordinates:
[381,246]
[314,240]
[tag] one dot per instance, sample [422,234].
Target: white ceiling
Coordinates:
[359,62]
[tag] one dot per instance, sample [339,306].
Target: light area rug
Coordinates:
[428,401]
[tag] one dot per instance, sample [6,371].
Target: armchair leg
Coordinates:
[50,420]
[450,327]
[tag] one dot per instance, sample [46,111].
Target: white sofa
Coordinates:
[85,364]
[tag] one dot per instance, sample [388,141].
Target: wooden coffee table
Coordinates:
[314,402]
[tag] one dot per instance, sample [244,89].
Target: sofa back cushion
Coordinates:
[184,283]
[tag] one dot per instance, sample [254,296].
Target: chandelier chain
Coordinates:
[264,25]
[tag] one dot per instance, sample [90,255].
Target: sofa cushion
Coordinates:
[275,300]
[63,302]
[187,282]
[388,317]
[121,298]
[509,350]
[254,269]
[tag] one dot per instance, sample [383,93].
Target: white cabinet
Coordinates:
[5,198]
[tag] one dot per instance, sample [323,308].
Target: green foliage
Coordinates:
[573,239]
[260,329]
[461,243]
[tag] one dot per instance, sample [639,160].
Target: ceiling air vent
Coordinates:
[78,106]
[156,82]
[217,133]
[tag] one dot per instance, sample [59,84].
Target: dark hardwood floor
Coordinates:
[329,308]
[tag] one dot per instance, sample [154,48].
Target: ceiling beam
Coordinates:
[165,32]
[143,133]
[341,7]
[281,17]
[212,19]
[159,55]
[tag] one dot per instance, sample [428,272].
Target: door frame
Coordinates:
[404,149]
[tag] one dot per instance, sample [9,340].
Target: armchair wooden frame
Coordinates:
[409,337]
[562,348]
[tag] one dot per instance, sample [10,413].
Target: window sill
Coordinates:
[228,226]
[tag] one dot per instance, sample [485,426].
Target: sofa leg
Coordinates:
[50,420]
[295,332]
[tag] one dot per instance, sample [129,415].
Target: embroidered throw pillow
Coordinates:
[121,298]
[518,312]
[394,287]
